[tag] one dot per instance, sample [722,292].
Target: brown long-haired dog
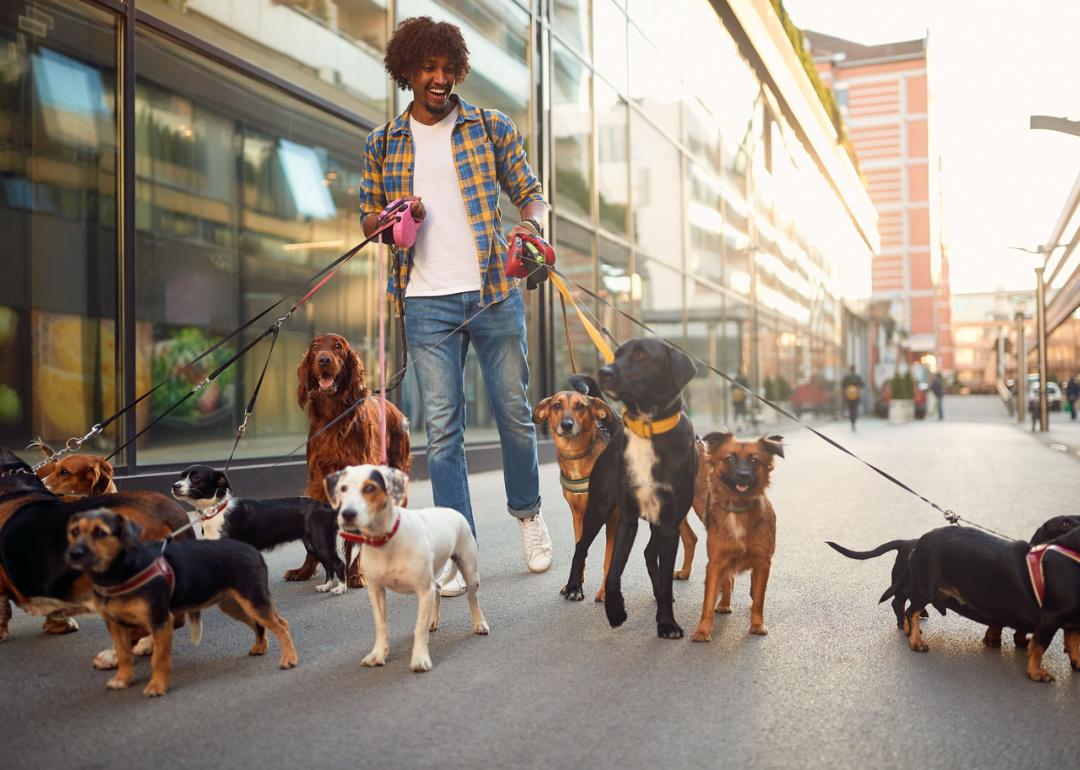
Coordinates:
[75,475]
[331,379]
[729,496]
[581,425]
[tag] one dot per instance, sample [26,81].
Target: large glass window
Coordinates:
[574,246]
[333,49]
[570,21]
[657,192]
[59,347]
[611,43]
[571,121]
[611,141]
[241,195]
[620,287]
[654,87]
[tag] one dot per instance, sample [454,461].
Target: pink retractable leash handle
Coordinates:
[403,233]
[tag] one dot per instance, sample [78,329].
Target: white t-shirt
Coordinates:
[444,258]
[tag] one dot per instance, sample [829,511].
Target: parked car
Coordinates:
[1053,393]
[921,389]
[812,397]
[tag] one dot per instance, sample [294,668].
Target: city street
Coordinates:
[833,684]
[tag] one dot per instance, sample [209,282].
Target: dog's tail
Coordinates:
[39,444]
[195,627]
[892,545]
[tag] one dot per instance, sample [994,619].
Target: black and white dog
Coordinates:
[648,470]
[264,524]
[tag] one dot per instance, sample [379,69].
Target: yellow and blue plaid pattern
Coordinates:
[486,158]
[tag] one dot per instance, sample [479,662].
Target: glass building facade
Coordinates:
[168,168]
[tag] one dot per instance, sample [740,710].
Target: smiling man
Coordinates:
[451,159]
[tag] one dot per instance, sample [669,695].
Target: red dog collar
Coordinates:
[1035,566]
[158,568]
[374,542]
[208,513]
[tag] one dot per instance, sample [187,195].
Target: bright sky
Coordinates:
[992,64]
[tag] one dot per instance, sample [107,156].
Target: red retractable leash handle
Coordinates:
[527,253]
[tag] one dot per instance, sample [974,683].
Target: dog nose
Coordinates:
[745,477]
[348,516]
[606,373]
[324,359]
[176,486]
[77,551]
[566,424]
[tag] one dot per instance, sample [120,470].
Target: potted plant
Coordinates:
[902,399]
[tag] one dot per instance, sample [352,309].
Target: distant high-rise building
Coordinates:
[882,92]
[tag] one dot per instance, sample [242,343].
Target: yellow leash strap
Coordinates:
[594,335]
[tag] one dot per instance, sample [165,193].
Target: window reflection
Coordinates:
[571,120]
[570,21]
[614,182]
[574,247]
[611,43]
[58,303]
[654,88]
[657,193]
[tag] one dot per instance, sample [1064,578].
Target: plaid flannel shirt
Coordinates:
[486,159]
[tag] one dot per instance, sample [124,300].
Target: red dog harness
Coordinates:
[374,542]
[1035,566]
[158,568]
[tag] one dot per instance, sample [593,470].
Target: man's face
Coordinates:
[432,83]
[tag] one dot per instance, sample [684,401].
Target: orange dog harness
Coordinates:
[1035,566]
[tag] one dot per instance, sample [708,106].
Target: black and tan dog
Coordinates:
[999,582]
[265,524]
[581,425]
[647,471]
[900,588]
[141,585]
[729,496]
[33,526]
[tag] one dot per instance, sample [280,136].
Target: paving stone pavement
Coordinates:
[833,684]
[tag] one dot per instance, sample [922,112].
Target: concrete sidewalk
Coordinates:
[832,685]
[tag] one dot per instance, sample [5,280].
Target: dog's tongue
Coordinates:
[742,487]
[326,381]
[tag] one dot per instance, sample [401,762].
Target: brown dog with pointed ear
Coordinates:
[581,424]
[729,496]
[75,475]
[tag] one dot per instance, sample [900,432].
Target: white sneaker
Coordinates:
[451,588]
[536,543]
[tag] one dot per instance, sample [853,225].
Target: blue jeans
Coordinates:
[498,335]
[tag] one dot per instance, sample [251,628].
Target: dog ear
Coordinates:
[128,531]
[330,487]
[303,379]
[542,411]
[716,438]
[221,482]
[604,414]
[101,481]
[396,482]
[773,445]
[356,377]
[683,368]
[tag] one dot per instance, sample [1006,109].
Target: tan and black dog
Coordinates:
[140,585]
[581,425]
[729,496]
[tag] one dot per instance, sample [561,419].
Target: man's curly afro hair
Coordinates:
[416,39]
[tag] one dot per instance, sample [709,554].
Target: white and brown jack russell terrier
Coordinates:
[405,551]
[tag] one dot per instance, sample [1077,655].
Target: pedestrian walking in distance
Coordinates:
[1072,393]
[738,399]
[937,385]
[852,386]
[450,159]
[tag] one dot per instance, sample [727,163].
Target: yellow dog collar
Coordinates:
[646,428]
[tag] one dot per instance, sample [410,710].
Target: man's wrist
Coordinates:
[534,224]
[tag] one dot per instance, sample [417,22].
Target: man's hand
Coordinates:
[416,206]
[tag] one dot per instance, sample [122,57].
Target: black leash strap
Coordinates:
[950,516]
[254,395]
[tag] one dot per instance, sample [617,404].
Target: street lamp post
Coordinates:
[1021,369]
[1040,332]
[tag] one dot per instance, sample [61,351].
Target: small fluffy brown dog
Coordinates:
[331,379]
[75,475]
[729,496]
[581,425]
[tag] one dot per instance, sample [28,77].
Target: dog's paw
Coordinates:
[324,587]
[373,659]
[481,628]
[572,593]
[143,647]
[723,610]
[919,646]
[1040,675]
[259,648]
[155,689]
[420,663]
[116,683]
[4,634]
[289,659]
[668,630]
[293,575]
[356,581]
[599,596]
[339,589]
[701,635]
[758,629]
[105,660]
[615,610]
[682,574]
[60,626]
